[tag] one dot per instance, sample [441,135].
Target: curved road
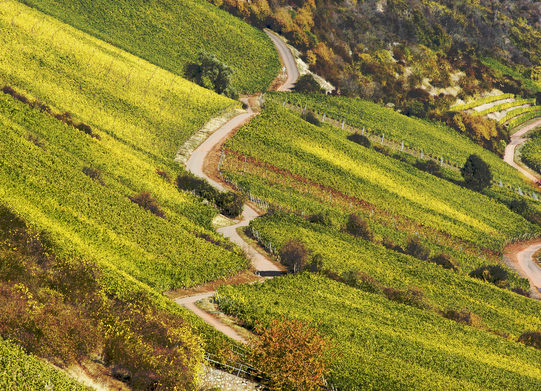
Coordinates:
[195,165]
[523,261]
[518,139]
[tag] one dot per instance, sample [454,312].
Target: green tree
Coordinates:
[476,173]
[307,84]
[211,73]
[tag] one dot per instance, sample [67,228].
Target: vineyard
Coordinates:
[190,26]
[22,372]
[387,345]
[100,85]
[531,153]
[432,138]
[481,101]
[324,156]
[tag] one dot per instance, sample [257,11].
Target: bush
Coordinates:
[213,74]
[494,274]
[518,290]
[360,139]
[199,186]
[531,338]
[415,109]
[323,218]
[389,244]
[361,281]
[230,203]
[416,249]
[412,296]
[293,254]
[307,84]
[359,227]
[444,261]
[311,118]
[464,317]
[292,355]
[146,201]
[164,174]
[429,166]
[476,173]
[93,173]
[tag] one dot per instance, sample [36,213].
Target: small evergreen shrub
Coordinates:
[146,201]
[416,249]
[359,227]
[360,139]
[494,274]
[444,261]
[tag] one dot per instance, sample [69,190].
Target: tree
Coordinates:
[307,83]
[211,73]
[293,355]
[359,227]
[293,254]
[476,173]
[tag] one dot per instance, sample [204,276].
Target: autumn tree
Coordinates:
[292,355]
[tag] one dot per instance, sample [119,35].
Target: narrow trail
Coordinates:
[521,254]
[517,140]
[196,165]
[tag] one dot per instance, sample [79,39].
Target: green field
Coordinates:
[22,372]
[481,101]
[324,157]
[433,138]
[172,33]
[384,345]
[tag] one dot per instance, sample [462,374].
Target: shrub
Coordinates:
[444,261]
[199,186]
[36,141]
[145,200]
[415,109]
[416,249]
[230,203]
[213,74]
[323,218]
[494,274]
[360,139]
[293,355]
[389,244]
[293,254]
[362,281]
[531,338]
[359,227]
[518,290]
[464,317]
[412,296]
[429,166]
[307,84]
[476,173]
[164,174]
[310,117]
[93,173]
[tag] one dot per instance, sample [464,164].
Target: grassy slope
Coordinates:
[141,121]
[171,33]
[384,345]
[495,64]
[436,139]
[20,371]
[325,156]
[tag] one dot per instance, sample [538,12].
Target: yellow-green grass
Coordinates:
[171,33]
[324,156]
[23,372]
[385,345]
[138,103]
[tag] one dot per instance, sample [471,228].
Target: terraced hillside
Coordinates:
[387,345]
[432,138]
[172,33]
[325,157]
[390,310]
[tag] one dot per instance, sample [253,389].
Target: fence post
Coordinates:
[382,138]
[343,123]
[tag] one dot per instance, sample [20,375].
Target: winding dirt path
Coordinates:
[196,165]
[517,140]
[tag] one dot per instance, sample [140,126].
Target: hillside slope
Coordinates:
[172,33]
